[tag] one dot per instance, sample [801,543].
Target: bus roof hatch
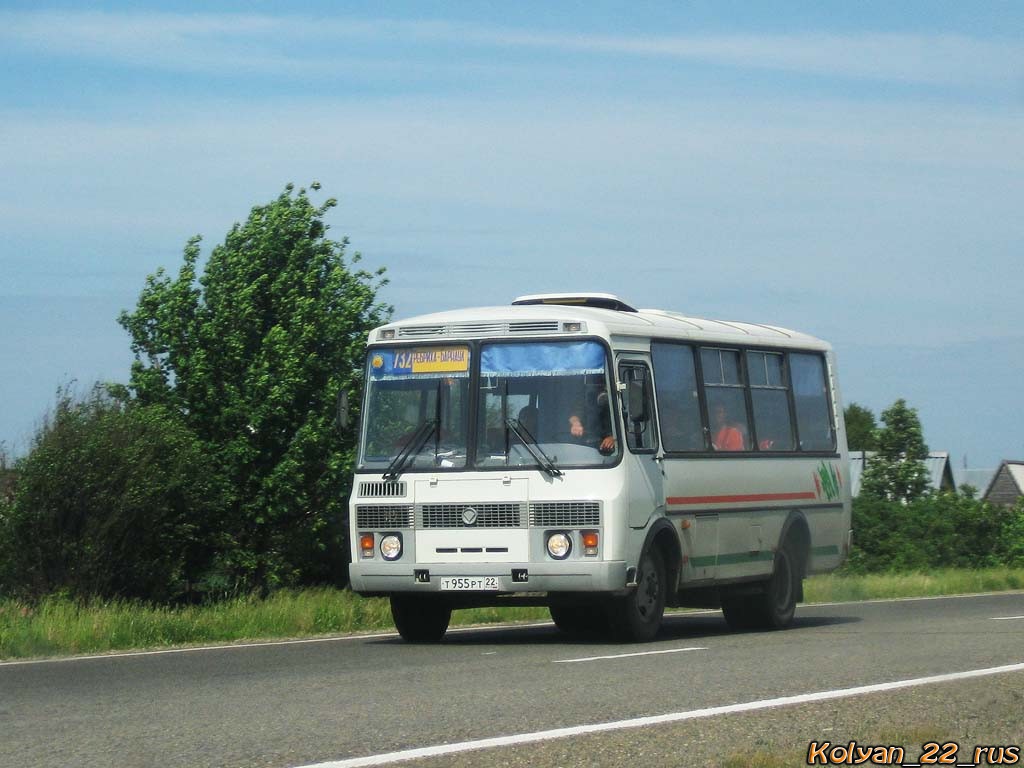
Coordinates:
[596,300]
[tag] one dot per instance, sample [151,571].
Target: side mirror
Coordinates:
[343,418]
[635,401]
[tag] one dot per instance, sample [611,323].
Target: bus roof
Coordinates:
[543,318]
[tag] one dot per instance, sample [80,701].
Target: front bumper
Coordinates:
[377,578]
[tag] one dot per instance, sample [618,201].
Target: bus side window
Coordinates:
[726,399]
[770,398]
[678,399]
[640,431]
[810,395]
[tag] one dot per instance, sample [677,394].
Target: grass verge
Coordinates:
[57,626]
[833,588]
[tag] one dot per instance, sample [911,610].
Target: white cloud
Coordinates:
[292,45]
[907,58]
[827,203]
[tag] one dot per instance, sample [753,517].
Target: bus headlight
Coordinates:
[391,546]
[559,545]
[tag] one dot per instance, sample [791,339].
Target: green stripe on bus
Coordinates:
[732,558]
[737,558]
[832,549]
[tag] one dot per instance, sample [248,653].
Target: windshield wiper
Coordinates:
[515,426]
[418,439]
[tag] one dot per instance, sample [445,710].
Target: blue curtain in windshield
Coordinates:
[542,359]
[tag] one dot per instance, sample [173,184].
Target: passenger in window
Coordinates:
[728,437]
[598,416]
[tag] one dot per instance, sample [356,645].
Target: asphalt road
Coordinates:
[307,702]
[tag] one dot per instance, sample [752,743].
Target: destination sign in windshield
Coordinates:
[401,363]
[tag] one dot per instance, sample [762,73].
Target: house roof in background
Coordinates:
[1014,469]
[977,478]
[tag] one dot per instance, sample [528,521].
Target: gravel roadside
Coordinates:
[985,711]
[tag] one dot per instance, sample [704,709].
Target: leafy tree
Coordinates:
[113,500]
[968,491]
[897,471]
[1013,538]
[861,428]
[7,483]
[8,477]
[252,355]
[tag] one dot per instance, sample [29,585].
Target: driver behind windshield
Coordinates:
[591,424]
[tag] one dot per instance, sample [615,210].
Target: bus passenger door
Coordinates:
[685,477]
[643,471]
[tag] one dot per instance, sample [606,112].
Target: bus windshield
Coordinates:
[541,404]
[545,403]
[416,413]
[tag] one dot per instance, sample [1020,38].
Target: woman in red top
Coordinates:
[727,437]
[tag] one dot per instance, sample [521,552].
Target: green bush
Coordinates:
[1013,538]
[6,508]
[943,530]
[114,500]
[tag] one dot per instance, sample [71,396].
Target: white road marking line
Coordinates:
[191,649]
[1009,592]
[642,722]
[258,644]
[626,655]
[1006,618]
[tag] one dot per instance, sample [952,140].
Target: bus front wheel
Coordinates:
[636,617]
[420,619]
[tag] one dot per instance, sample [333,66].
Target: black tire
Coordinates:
[775,606]
[420,619]
[579,619]
[636,617]
[778,604]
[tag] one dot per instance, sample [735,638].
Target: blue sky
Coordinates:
[854,170]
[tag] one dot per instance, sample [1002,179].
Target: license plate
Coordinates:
[469,583]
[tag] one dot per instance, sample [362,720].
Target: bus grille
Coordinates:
[487,515]
[381,489]
[536,326]
[565,514]
[421,331]
[384,516]
[478,329]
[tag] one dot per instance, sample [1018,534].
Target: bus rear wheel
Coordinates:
[420,619]
[773,608]
[636,617]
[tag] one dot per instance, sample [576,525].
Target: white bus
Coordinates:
[574,452]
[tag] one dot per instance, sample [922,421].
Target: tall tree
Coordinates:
[253,355]
[897,471]
[861,428]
